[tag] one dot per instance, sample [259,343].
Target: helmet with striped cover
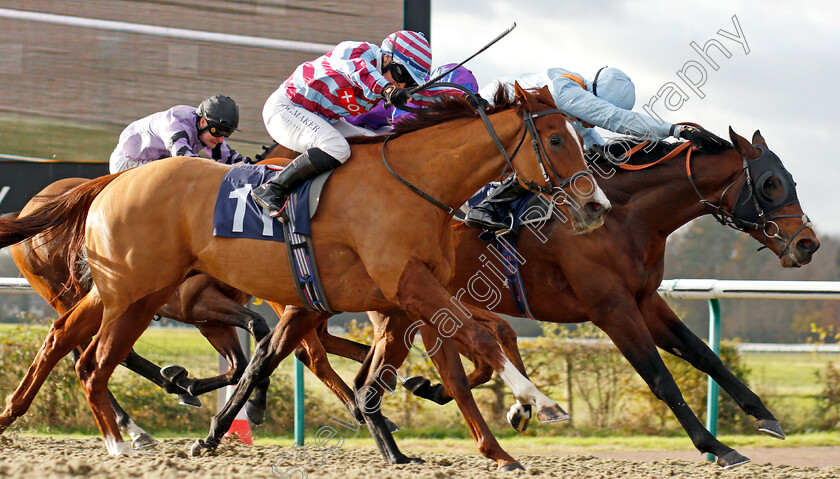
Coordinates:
[410,49]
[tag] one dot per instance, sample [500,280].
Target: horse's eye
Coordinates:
[555,140]
[772,188]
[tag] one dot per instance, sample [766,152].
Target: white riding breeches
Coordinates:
[299,129]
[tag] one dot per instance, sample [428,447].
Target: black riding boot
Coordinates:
[483,215]
[272,194]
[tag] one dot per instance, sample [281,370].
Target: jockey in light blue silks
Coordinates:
[308,111]
[605,101]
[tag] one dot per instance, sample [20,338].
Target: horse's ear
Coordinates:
[522,96]
[743,146]
[759,140]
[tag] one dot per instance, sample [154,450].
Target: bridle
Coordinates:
[750,212]
[546,168]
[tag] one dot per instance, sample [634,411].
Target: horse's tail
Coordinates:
[59,218]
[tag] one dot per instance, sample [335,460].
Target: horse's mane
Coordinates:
[452,108]
[616,148]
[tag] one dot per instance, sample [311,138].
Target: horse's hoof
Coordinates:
[173,372]
[390,425]
[416,383]
[518,416]
[255,413]
[189,400]
[552,414]
[143,441]
[513,466]
[423,388]
[409,460]
[771,428]
[199,446]
[732,459]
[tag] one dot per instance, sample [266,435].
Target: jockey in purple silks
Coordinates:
[180,131]
[308,112]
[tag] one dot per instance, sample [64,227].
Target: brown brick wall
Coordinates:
[106,76]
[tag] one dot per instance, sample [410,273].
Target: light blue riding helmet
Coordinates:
[614,86]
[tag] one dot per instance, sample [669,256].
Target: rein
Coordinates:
[539,151]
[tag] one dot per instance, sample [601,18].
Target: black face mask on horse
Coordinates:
[768,187]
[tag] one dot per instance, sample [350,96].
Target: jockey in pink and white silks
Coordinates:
[307,112]
[180,131]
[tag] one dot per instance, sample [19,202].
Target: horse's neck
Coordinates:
[663,198]
[453,160]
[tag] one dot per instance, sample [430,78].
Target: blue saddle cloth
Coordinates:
[237,215]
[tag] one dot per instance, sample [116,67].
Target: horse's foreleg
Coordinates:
[311,354]
[452,374]
[342,347]
[379,373]
[421,295]
[75,327]
[634,341]
[294,324]
[673,335]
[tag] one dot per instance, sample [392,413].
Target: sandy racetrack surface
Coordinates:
[43,457]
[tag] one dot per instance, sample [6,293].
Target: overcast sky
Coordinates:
[786,86]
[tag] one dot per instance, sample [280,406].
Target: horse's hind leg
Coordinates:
[152,372]
[421,295]
[111,345]
[294,324]
[673,335]
[452,374]
[75,327]
[139,438]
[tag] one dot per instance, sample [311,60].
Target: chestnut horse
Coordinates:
[610,276]
[213,307]
[148,228]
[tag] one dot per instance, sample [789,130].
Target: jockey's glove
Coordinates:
[397,97]
[702,139]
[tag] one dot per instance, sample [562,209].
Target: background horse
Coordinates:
[142,240]
[611,276]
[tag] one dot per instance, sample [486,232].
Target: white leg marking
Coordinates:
[523,390]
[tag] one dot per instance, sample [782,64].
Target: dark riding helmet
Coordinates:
[221,113]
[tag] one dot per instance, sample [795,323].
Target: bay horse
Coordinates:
[611,276]
[142,240]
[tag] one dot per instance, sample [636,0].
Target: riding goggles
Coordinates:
[219,131]
[399,73]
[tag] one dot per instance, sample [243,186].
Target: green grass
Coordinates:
[784,381]
[787,374]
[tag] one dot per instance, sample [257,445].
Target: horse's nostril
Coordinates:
[807,245]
